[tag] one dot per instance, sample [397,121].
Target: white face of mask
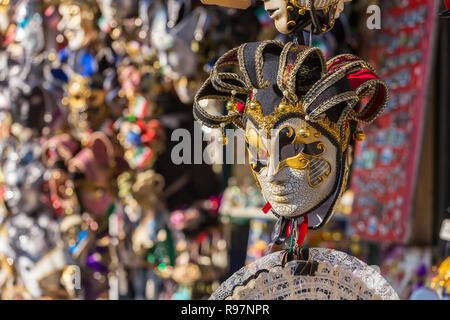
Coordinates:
[294,177]
[277,10]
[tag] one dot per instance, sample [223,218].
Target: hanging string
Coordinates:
[292,235]
[311,7]
[299,230]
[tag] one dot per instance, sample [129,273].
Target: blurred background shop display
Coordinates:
[92,205]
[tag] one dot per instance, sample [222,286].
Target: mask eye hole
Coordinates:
[288,148]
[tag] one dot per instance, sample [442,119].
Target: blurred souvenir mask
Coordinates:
[28,108]
[316,15]
[118,9]
[59,186]
[130,79]
[25,267]
[147,187]
[95,198]
[31,238]
[174,45]
[186,89]
[62,194]
[30,235]
[150,237]
[143,141]
[87,106]
[96,164]
[75,233]
[22,174]
[29,32]
[4,16]
[77,22]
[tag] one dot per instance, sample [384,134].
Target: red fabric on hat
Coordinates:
[340,60]
[358,78]
[240,107]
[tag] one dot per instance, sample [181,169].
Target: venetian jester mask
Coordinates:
[86,100]
[296,111]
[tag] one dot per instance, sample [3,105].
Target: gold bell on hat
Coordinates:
[254,104]
[223,139]
[359,135]
[232,104]
[304,131]
[284,105]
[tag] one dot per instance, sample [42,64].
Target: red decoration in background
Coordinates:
[386,163]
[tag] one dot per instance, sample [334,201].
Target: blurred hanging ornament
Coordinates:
[78,22]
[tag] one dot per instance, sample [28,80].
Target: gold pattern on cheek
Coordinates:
[304,161]
[299,162]
[326,172]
